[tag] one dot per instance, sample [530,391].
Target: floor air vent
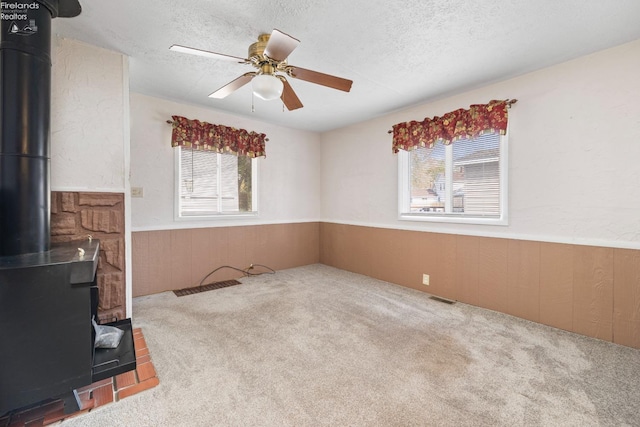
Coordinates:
[444,300]
[204,288]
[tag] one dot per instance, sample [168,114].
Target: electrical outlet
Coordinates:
[137,192]
[425,279]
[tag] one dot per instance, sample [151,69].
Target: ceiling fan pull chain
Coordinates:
[253,108]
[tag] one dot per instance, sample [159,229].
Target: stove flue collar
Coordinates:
[62,8]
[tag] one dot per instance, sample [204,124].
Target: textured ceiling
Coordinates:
[398,53]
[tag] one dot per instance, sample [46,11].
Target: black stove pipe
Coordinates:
[25,104]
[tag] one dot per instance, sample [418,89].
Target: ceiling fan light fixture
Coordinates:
[267,86]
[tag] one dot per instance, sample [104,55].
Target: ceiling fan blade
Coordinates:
[289,97]
[320,78]
[205,53]
[280,45]
[232,86]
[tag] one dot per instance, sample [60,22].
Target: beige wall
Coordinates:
[573,157]
[590,290]
[288,177]
[175,259]
[89,117]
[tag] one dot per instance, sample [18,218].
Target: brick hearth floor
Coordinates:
[94,395]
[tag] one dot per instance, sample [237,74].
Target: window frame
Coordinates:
[217,216]
[404,196]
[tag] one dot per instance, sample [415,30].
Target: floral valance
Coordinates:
[221,139]
[458,124]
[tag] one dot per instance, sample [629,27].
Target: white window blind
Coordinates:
[476,175]
[212,184]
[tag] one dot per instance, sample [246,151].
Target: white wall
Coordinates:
[289,177]
[574,156]
[89,95]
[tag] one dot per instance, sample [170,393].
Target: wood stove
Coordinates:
[48,294]
[45,323]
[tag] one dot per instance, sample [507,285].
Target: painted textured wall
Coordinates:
[289,177]
[573,153]
[88,114]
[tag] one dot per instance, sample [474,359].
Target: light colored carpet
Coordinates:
[315,346]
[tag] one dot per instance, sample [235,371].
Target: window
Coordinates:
[461,182]
[211,184]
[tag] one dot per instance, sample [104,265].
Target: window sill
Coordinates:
[217,217]
[453,219]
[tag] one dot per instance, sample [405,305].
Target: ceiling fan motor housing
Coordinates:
[257,48]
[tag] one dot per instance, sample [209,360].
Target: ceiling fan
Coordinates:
[269,55]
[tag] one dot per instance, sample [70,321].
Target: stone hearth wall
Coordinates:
[74,216]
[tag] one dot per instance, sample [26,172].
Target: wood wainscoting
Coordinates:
[589,290]
[166,260]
